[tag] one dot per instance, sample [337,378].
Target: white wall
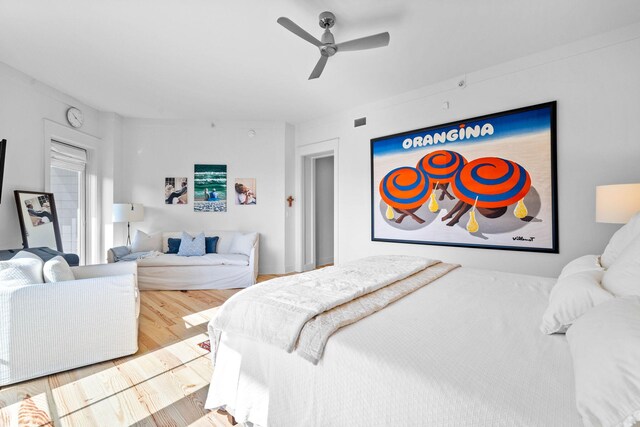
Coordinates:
[24,105]
[597,86]
[324,210]
[112,171]
[289,188]
[155,149]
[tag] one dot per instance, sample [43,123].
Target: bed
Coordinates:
[465,349]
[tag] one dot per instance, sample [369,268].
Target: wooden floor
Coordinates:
[164,384]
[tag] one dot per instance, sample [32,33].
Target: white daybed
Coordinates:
[220,270]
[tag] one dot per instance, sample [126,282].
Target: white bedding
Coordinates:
[464,350]
[275,313]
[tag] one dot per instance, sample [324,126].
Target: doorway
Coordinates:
[324,209]
[67,182]
[316,214]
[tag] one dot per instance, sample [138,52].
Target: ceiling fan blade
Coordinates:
[295,29]
[317,70]
[370,42]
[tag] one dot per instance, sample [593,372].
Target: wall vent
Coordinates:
[359,122]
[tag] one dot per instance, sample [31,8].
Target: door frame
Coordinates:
[57,132]
[304,170]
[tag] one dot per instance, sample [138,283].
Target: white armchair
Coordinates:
[52,327]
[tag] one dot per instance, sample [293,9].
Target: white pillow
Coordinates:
[605,346]
[143,242]
[620,240]
[578,265]
[57,270]
[24,268]
[623,277]
[243,243]
[572,297]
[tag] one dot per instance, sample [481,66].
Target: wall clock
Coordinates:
[75,117]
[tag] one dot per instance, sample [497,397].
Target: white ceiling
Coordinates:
[230,60]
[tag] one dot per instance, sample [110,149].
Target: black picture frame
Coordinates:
[29,223]
[3,152]
[521,244]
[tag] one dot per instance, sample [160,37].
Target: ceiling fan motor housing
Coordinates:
[327,19]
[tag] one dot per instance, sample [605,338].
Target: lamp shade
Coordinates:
[128,212]
[616,204]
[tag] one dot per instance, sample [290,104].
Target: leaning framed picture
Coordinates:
[482,182]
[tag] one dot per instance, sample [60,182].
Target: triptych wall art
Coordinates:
[485,182]
[209,189]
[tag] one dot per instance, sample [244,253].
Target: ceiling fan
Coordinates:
[327,44]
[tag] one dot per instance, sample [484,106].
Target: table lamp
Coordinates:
[616,204]
[128,212]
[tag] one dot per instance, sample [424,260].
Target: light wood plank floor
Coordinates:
[164,384]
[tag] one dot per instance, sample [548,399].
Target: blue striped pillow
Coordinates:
[192,246]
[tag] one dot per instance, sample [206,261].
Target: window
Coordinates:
[68,184]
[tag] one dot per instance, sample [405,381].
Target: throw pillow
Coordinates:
[192,246]
[211,244]
[57,270]
[620,240]
[583,263]
[243,243]
[605,348]
[623,277]
[143,242]
[174,245]
[24,268]
[572,297]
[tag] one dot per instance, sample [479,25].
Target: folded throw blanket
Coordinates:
[276,311]
[316,332]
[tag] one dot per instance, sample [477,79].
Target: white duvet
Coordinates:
[276,312]
[464,350]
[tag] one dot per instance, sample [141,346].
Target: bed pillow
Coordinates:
[143,242]
[24,268]
[620,240]
[243,243]
[605,347]
[578,265]
[173,245]
[211,244]
[192,246]
[623,277]
[571,297]
[57,270]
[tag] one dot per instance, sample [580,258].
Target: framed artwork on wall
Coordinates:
[210,188]
[245,191]
[484,182]
[176,191]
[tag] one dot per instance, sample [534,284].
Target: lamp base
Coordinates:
[128,234]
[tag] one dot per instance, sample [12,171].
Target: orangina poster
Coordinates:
[486,182]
